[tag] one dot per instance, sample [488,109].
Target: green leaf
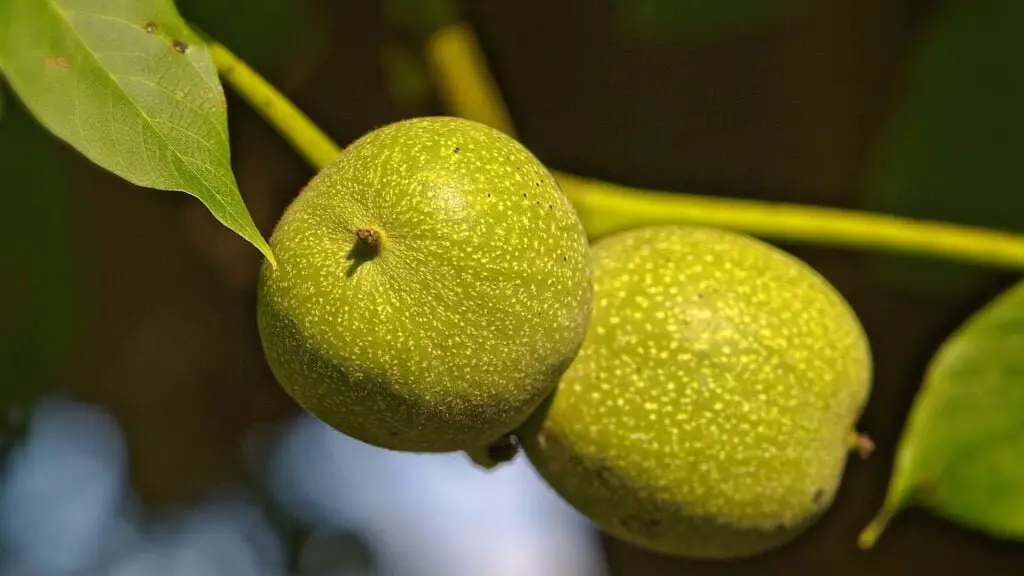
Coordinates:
[951,151]
[128,85]
[962,452]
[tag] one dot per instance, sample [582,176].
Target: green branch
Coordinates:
[457,60]
[606,208]
[304,136]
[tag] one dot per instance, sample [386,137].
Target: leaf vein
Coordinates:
[88,49]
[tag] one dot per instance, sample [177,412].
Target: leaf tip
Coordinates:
[263,246]
[270,257]
[874,529]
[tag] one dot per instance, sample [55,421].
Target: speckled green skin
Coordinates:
[462,324]
[708,412]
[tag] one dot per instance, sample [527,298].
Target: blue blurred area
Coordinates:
[222,536]
[66,509]
[62,492]
[431,514]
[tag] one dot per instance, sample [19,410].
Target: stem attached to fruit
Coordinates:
[500,451]
[454,54]
[606,208]
[304,136]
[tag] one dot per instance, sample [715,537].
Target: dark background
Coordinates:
[140,302]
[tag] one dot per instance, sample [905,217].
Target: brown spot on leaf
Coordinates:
[151,27]
[924,489]
[57,63]
[818,495]
[179,46]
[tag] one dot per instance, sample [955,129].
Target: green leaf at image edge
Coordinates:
[132,88]
[961,455]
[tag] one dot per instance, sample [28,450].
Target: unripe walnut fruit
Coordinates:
[712,407]
[432,284]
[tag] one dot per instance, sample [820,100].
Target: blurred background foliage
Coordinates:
[949,150]
[144,433]
[38,299]
[706,18]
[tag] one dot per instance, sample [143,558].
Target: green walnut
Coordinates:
[712,407]
[432,284]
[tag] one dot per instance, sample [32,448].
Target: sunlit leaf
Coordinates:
[130,87]
[951,151]
[962,452]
